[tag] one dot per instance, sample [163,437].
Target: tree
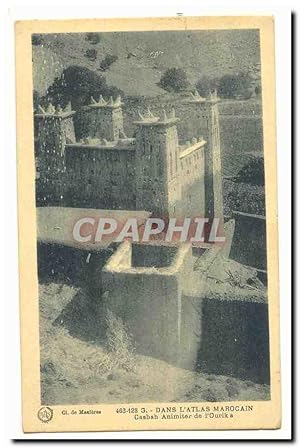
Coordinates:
[93,38]
[206,85]
[77,84]
[107,61]
[232,86]
[174,79]
[252,173]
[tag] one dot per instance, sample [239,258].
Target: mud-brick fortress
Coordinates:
[175,298]
[154,170]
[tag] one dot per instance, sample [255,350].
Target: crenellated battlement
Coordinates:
[149,119]
[54,112]
[102,103]
[195,97]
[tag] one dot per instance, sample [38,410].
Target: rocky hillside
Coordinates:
[144,56]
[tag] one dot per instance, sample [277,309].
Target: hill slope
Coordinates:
[144,56]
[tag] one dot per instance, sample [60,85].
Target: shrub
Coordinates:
[206,85]
[252,173]
[91,54]
[232,86]
[107,62]
[243,197]
[93,38]
[174,79]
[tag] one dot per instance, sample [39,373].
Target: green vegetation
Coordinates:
[228,86]
[252,173]
[107,62]
[242,197]
[138,73]
[174,80]
[234,86]
[206,85]
[77,84]
[91,54]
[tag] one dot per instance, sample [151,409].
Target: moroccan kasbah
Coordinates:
[160,127]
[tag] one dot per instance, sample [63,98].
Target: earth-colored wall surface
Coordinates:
[149,302]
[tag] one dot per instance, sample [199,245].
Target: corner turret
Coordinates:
[206,122]
[158,187]
[106,118]
[54,128]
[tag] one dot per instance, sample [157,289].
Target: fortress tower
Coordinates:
[206,123]
[106,118]
[153,171]
[53,130]
[158,187]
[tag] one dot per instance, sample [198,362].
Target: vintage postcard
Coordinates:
[148,224]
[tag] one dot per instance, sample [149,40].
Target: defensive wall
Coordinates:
[153,170]
[101,176]
[147,294]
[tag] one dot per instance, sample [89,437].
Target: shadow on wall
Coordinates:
[249,242]
[235,340]
[79,268]
[149,256]
[83,318]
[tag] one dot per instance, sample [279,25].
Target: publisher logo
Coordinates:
[45,414]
